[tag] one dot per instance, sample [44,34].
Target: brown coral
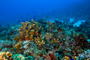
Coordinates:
[81,39]
[39,41]
[28,31]
[48,36]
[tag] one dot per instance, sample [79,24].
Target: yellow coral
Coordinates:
[48,36]
[33,25]
[32,32]
[67,58]
[31,36]
[18,45]
[39,41]
[55,41]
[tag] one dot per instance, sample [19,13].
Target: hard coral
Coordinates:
[39,41]
[55,41]
[18,45]
[28,31]
[48,36]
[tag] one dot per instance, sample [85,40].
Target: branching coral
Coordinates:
[18,45]
[56,41]
[39,41]
[29,31]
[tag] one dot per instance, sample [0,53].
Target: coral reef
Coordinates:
[44,40]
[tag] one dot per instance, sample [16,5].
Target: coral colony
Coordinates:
[45,40]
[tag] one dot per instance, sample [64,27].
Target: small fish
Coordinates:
[18,21]
[42,9]
[71,59]
[21,17]
[28,14]
[34,17]
[33,11]
[23,20]
[26,27]
[72,53]
[7,25]
[36,12]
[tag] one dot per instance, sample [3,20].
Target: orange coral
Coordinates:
[59,30]
[26,38]
[5,55]
[31,39]
[36,34]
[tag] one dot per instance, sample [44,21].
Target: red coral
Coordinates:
[51,56]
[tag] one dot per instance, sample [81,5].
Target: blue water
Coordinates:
[13,11]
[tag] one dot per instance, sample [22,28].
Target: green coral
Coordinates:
[18,57]
[21,57]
